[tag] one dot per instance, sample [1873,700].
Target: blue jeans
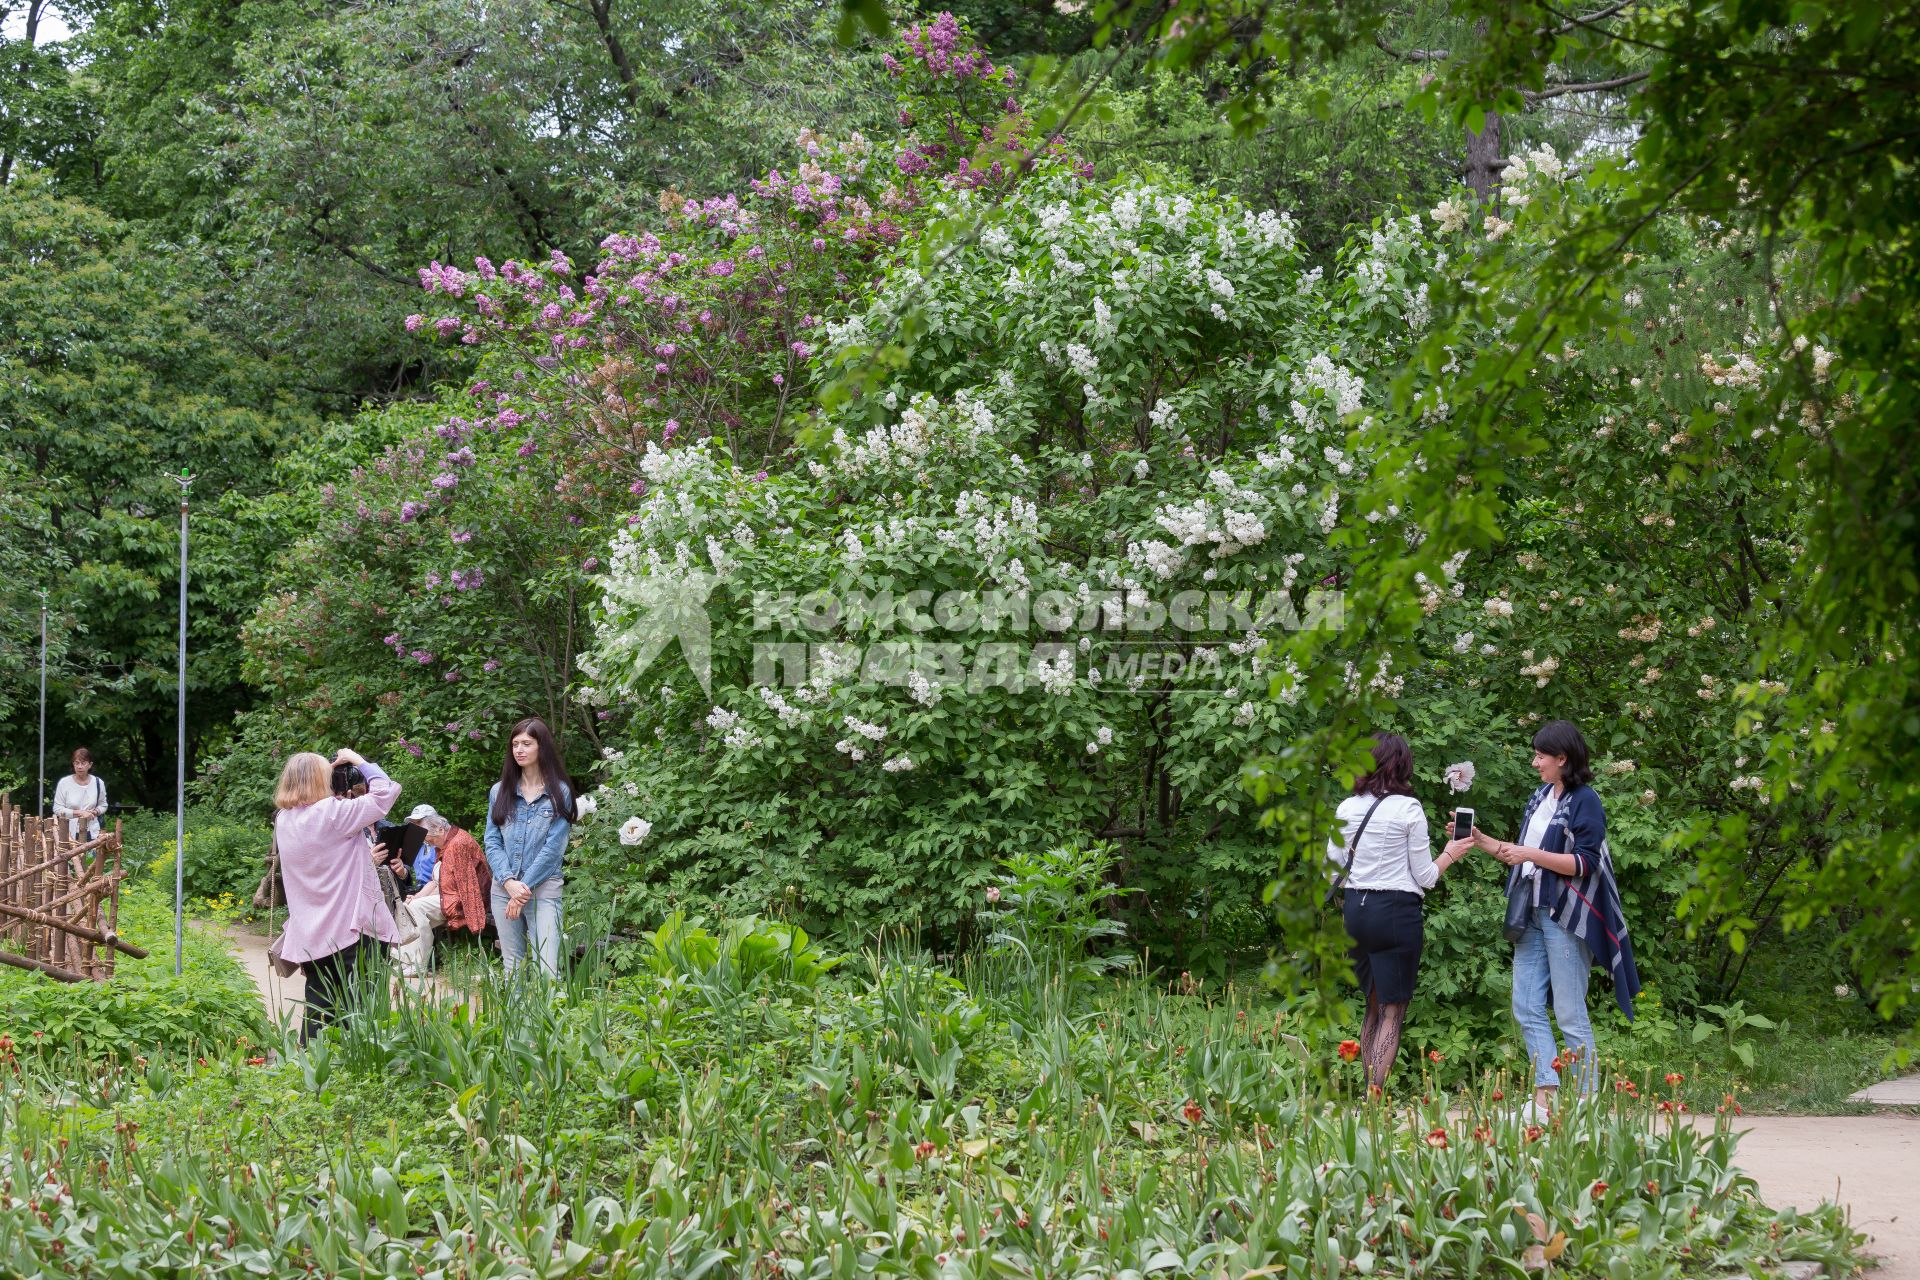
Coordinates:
[539,924]
[1547,957]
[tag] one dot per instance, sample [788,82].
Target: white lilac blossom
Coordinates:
[924,691]
[871,732]
[789,714]
[1243,714]
[585,805]
[898,764]
[1056,675]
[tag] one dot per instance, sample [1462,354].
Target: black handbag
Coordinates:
[1519,908]
[1340,880]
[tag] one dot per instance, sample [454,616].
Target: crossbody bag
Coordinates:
[1340,880]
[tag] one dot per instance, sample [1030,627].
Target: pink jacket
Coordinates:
[333,892]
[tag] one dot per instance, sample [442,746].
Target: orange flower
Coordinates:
[1192,1112]
[1533,1132]
[1499,1095]
[1653,1188]
[1483,1133]
[1434,1055]
[1674,1077]
[1438,1138]
[1597,1190]
[1349,1050]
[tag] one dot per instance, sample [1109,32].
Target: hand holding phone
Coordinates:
[1463,824]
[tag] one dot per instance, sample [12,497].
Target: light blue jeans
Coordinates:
[1548,957]
[539,924]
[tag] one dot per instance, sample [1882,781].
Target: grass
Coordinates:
[744,1103]
[744,1106]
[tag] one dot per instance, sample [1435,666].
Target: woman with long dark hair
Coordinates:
[530,814]
[1564,871]
[1387,865]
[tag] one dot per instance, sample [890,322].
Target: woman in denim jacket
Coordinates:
[530,814]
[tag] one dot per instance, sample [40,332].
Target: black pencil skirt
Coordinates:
[1387,933]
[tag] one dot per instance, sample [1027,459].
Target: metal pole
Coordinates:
[40,808]
[185,482]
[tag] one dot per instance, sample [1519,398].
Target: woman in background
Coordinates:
[530,815]
[1563,869]
[335,915]
[80,798]
[1387,866]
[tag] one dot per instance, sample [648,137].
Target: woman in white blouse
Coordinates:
[1386,866]
[80,798]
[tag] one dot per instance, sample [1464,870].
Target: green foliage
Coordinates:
[145,1010]
[1789,133]
[1047,918]
[630,1128]
[736,959]
[110,384]
[222,858]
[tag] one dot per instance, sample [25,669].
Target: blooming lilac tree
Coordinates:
[1019,588]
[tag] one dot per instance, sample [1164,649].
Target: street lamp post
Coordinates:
[185,481]
[40,806]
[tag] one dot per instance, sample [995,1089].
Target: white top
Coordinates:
[1395,852]
[71,796]
[1536,831]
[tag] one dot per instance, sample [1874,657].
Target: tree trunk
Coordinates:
[1483,157]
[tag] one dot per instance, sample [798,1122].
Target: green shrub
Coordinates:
[145,1009]
[222,857]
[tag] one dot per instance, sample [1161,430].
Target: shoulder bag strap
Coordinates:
[1352,846]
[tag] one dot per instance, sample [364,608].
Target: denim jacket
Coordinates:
[530,847]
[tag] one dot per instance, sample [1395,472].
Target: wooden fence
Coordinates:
[59,899]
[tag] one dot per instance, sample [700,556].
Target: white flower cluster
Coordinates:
[1541,671]
[1339,385]
[1056,674]
[789,714]
[924,691]
[1228,523]
[1522,171]
[1495,607]
[1268,231]
[996,531]
[1450,216]
[898,764]
[1102,737]
[736,734]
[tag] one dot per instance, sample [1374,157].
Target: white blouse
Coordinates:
[70,796]
[1395,852]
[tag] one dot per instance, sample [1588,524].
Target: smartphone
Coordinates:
[1462,823]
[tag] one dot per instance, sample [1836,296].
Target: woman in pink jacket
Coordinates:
[335,914]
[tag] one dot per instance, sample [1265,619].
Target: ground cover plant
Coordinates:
[748,1104]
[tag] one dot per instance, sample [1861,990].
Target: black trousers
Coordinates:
[330,984]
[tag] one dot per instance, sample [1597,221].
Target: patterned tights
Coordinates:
[1380,1039]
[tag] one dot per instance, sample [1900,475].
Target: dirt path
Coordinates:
[284,996]
[1871,1164]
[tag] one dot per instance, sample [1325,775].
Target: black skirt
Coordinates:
[1387,934]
